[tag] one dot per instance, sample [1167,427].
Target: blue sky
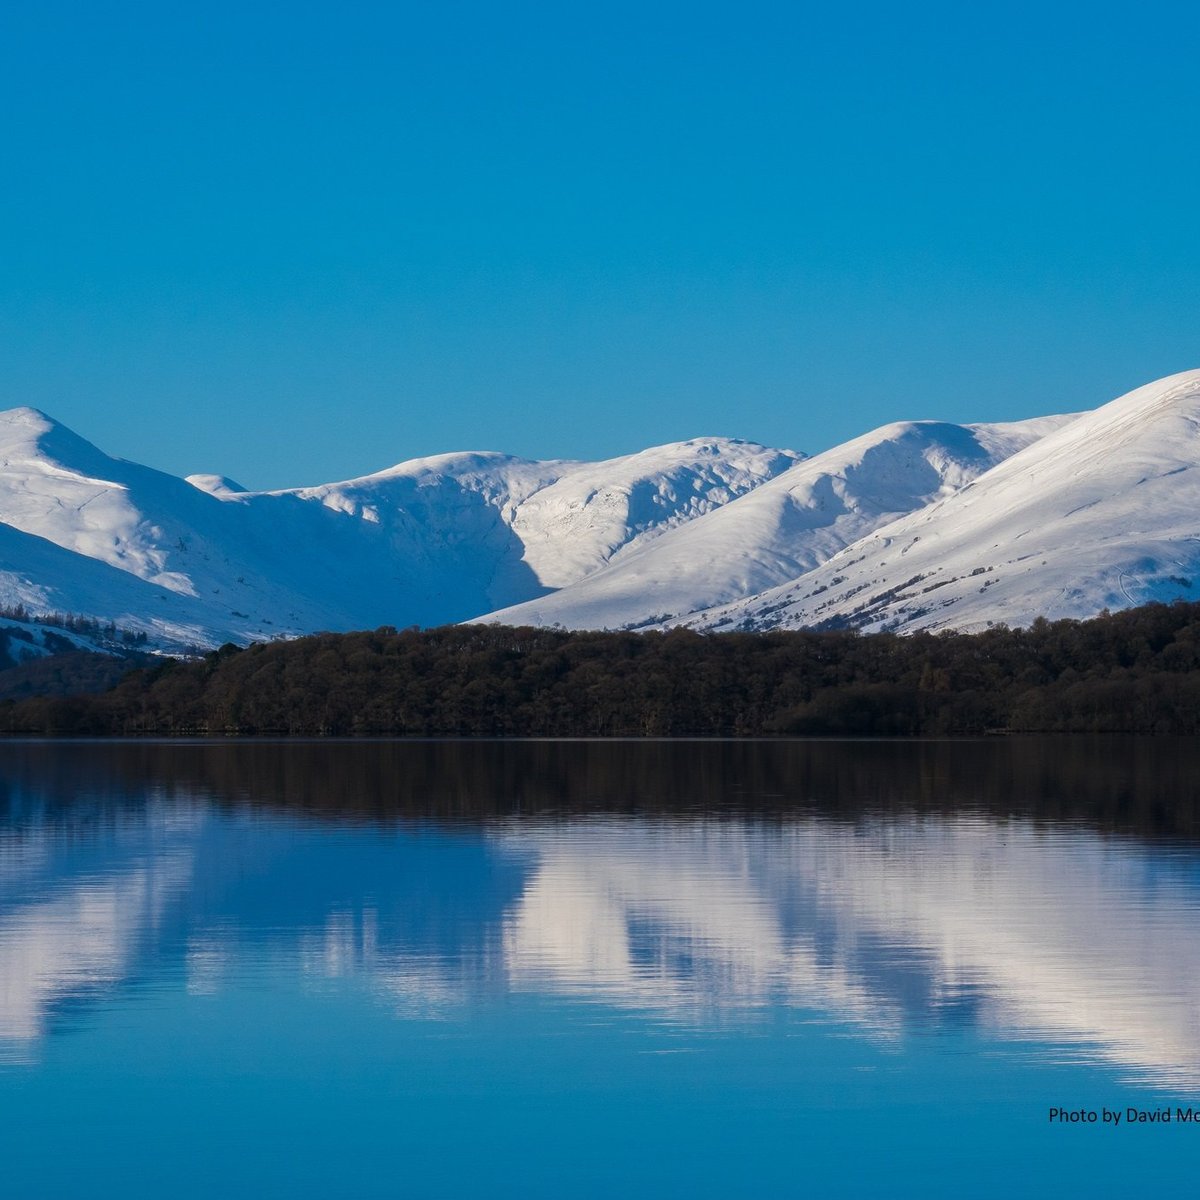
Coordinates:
[298,241]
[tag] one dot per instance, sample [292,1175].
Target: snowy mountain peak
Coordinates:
[917,524]
[455,464]
[1102,513]
[29,435]
[783,528]
[216,485]
[427,541]
[1163,398]
[27,418]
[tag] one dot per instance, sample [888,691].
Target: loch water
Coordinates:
[586,969]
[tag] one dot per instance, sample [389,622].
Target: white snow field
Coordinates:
[427,542]
[1103,513]
[784,528]
[916,525]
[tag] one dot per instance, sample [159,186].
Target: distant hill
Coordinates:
[917,525]
[1101,513]
[202,561]
[784,528]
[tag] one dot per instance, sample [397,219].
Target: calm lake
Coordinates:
[582,969]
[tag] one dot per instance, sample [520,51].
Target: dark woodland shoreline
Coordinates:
[1136,671]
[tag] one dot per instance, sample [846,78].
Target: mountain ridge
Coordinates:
[787,526]
[200,561]
[996,522]
[1105,511]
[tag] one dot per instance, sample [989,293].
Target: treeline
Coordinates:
[1134,671]
[17,644]
[107,632]
[37,661]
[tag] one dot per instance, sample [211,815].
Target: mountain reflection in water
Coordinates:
[1024,889]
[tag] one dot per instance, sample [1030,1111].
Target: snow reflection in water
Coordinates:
[1059,934]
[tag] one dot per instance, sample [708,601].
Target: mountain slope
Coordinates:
[1104,513]
[426,542]
[481,531]
[37,575]
[915,525]
[785,527]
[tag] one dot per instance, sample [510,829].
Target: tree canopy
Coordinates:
[1133,671]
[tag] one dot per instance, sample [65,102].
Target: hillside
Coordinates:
[916,525]
[1102,513]
[201,561]
[785,527]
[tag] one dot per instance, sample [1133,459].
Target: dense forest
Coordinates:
[69,673]
[1134,671]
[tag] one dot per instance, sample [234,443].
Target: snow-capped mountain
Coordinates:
[490,529]
[1102,513]
[434,540]
[918,524]
[784,528]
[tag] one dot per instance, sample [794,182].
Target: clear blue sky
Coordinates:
[297,241]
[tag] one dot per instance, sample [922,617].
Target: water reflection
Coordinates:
[76,912]
[889,888]
[1057,934]
[693,918]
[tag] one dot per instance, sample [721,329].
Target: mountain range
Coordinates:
[916,525]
